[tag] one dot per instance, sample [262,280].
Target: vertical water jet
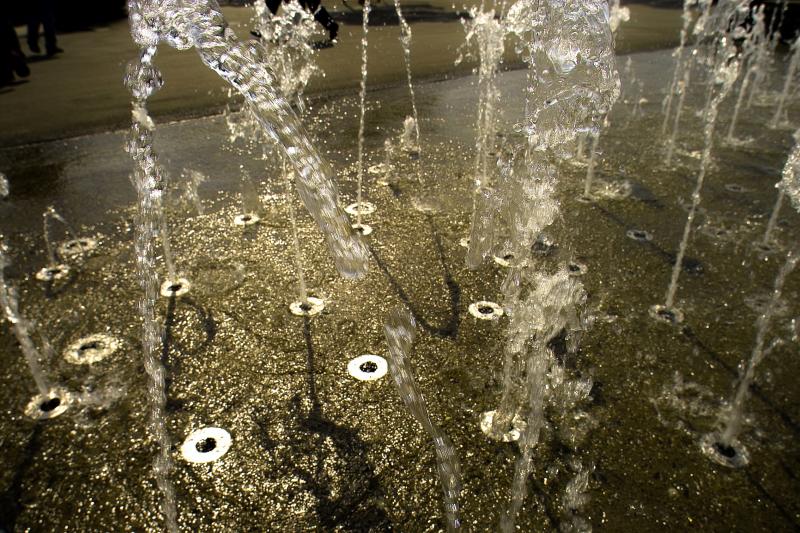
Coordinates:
[362,95]
[778,117]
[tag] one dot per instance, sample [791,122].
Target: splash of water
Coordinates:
[548,309]
[21,326]
[576,496]
[287,38]
[400,334]
[568,95]
[51,214]
[726,71]
[4,188]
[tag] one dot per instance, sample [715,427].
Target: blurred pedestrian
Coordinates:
[42,13]
[314,7]
[12,60]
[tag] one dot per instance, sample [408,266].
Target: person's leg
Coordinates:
[6,48]
[273,6]
[322,16]
[48,16]
[12,60]
[33,27]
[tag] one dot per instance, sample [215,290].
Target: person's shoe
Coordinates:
[34,47]
[333,30]
[321,45]
[53,51]
[6,78]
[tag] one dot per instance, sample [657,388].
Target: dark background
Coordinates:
[75,15]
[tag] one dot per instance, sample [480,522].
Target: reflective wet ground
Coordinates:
[314,448]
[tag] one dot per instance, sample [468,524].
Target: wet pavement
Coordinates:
[314,448]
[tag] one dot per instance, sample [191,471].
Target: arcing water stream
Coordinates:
[400,335]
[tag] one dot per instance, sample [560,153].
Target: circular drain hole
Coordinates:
[91,349]
[504,259]
[765,248]
[669,315]
[53,273]
[175,288]
[77,246]
[246,219]
[363,229]
[368,367]
[687,206]
[733,455]
[733,187]
[485,310]
[312,306]
[614,190]
[574,268]
[639,235]
[206,445]
[49,405]
[716,232]
[366,208]
[518,426]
